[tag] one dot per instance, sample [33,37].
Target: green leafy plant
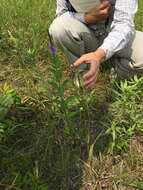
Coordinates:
[60,102]
[31,180]
[126,118]
[8,98]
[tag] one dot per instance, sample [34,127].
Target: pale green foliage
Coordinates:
[126,113]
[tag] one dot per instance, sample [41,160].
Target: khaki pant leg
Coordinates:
[73,37]
[129,61]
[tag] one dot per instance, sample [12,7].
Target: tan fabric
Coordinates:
[83,6]
[73,37]
[76,39]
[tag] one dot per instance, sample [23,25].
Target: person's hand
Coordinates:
[94,60]
[98,13]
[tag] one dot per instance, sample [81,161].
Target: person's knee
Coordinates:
[65,29]
[57,31]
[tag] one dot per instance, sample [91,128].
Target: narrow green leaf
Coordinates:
[64,83]
[51,70]
[69,99]
[53,84]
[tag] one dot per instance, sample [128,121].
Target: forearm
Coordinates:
[117,40]
[122,28]
[100,55]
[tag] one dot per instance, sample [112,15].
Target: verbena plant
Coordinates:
[61,103]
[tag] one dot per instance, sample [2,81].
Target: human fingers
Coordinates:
[90,85]
[92,81]
[105,5]
[92,70]
[105,12]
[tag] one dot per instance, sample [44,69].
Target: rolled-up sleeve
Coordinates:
[122,29]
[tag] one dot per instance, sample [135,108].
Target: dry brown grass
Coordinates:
[110,172]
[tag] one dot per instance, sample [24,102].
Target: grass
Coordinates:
[53,135]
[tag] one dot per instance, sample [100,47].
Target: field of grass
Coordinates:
[54,136]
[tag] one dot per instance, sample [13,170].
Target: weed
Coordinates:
[8,99]
[126,114]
